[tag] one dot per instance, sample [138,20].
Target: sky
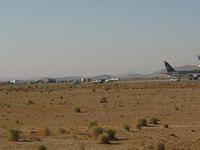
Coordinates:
[92,37]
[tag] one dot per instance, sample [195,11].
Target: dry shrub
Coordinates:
[154,120]
[13,135]
[104,139]
[30,102]
[142,123]
[104,100]
[126,127]
[166,126]
[111,133]
[62,130]
[159,146]
[77,109]
[41,147]
[95,131]
[92,124]
[138,126]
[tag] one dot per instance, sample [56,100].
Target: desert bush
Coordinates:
[176,108]
[62,130]
[103,100]
[13,135]
[142,122]
[166,126]
[30,102]
[138,126]
[77,109]
[95,131]
[126,127]
[92,124]
[159,146]
[154,120]
[41,147]
[104,139]
[111,133]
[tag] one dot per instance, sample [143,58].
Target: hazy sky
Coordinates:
[86,37]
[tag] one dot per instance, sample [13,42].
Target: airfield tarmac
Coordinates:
[31,108]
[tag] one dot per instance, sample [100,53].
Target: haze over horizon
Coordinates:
[74,37]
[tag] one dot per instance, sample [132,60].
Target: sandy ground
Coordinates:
[31,108]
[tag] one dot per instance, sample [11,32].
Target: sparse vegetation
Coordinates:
[95,131]
[92,124]
[104,139]
[104,100]
[31,111]
[62,130]
[13,135]
[30,102]
[159,146]
[138,126]
[111,133]
[154,120]
[166,126]
[41,147]
[126,127]
[77,109]
[141,123]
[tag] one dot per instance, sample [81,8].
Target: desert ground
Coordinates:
[45,115]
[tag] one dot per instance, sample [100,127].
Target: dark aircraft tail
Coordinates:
[169,68]
[199,57]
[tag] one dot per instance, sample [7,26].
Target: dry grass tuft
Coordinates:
[77,109]
[92,124]
[95,131]
[13,135]
[104,139]
[159,146]
[111,133]
[154,120]
[41,147]
[126,127]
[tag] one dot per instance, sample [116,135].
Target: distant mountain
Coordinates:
[2,79]
[79,77]
[129,76]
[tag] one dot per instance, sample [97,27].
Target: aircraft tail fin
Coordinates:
[199,57]
[169,68]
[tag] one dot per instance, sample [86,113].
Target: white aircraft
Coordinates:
[112,79]
[105,80]
[192,74]
[98,81]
